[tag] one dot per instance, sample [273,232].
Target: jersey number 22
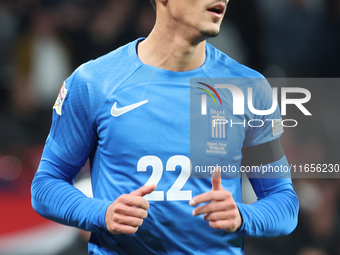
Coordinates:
[175,192]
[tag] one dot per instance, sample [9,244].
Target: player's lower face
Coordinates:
[210,32]
[212,28]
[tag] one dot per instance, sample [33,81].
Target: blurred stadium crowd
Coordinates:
[43,41]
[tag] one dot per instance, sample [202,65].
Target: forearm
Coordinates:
[276,211]
[54,197]
[269,217]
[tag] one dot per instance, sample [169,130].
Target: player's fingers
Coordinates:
[216,180]
[228,225]
[214,207]
[130,211]
[142,191]
[216,184]
[214,195]
[131,200]
[127,220]
[117,228]
[220,215]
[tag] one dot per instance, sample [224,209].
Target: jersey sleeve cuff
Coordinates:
[101,220]
[242,228]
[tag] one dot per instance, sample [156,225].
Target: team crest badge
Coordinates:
[60,100]
[217,124]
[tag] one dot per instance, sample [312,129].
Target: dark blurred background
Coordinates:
[43,41]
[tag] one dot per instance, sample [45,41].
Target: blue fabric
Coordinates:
[54,196]
[276,210]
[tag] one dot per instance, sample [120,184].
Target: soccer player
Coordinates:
[129,113]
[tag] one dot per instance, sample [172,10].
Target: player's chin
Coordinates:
[210,32]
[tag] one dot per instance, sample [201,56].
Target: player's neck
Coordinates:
[171,51]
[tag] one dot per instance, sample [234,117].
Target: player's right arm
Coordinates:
[54,197]
[71,140]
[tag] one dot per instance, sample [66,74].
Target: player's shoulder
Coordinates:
[225,67]
[240,75]
[107,64]
[94,81]
[101,73]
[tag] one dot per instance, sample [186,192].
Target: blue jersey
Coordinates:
[133,121]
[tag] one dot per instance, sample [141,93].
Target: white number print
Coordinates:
[174,193]
[156,175]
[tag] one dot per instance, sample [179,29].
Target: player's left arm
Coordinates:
[276,210]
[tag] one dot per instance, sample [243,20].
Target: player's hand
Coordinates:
[222,211]
[128,211]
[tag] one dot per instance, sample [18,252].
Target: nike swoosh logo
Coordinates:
[115,112]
